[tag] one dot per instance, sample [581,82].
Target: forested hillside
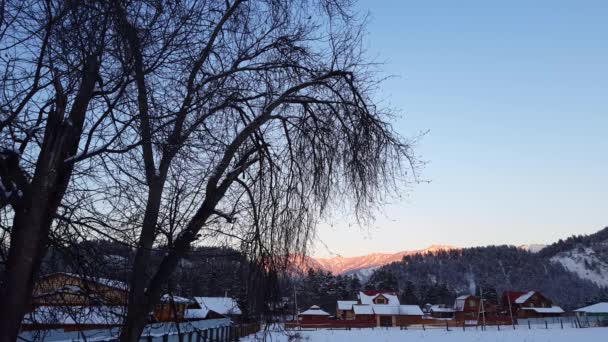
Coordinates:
[494,268]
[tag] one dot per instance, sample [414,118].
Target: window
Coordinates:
[380,300]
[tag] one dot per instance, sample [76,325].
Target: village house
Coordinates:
[383,307]
[76,302]
[171,308]
[77,290]
[441,311]
[598,311]
[313,315]
[213,307]
[467,308]
[530,304]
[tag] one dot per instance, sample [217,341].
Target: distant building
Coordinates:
[171,308]
[441,311]
[78,290]
[213,307]
[598,310]
[530,304]
[383,307]
[313,314]
[467,308]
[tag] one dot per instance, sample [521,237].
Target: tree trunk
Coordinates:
[34,216]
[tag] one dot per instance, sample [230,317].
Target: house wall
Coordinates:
[345,314]
[306,318]
[403,320]
[168,312]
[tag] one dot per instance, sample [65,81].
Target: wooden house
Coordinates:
[78,290]
[530,304]
[441,311]
[598,311]
[171,308]
[381,307]
[313,314]
[467,308]
[212,307]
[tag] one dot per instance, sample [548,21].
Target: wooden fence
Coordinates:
[218,334]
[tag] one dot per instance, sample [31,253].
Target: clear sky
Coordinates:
[515,95]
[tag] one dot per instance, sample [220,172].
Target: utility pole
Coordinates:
[483,310]
[510,309]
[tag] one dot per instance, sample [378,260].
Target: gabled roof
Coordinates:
[366,298]
[314,311]
[511,296]
[595,308]
[523,298]
[221,305]
[382,309]
[176,299]
[346,304]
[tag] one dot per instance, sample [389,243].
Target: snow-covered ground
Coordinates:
[394,334]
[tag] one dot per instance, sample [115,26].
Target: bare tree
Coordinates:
[265,108]
[59,87]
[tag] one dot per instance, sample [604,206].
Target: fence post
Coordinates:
[149,338]
[546,325]
[423,328]
[463,328]
[498,325]
[447,327]
[561,323]
[165,337]
[198,336]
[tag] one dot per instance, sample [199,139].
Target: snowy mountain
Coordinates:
[364,265]
[584,255]
[533,247]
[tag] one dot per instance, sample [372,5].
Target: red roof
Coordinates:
[512,295]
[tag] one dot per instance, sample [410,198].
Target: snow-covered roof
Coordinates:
[346,304]
[76,315]
[196,313]
[439,308]
[176,299]
[221,305]
[463,297]
[369,299]
[102,281]
[595,308]
[363,309]
[380,309]
[553,309]
[314,311]
[410,310]
[523,298]
[383,309]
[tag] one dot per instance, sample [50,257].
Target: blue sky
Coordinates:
[515,97]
